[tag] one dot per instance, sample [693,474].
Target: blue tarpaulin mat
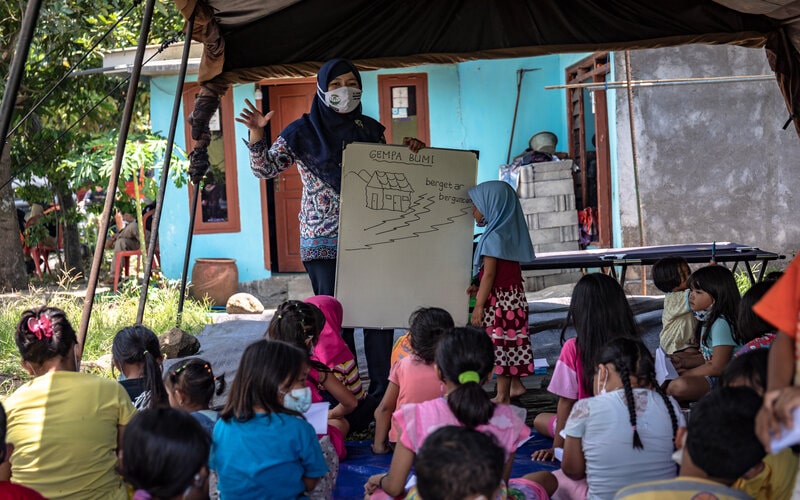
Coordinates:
[361,463]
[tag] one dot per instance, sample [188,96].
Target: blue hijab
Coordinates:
[506,236]
[318,137]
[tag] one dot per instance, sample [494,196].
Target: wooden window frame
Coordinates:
[593,68]
[233,224]
[418,80]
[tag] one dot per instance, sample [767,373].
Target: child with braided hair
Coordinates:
[191,385]
[464,361]
[601,454]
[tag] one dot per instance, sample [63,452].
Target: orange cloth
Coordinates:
[401,348]
[781,304]
[781,307]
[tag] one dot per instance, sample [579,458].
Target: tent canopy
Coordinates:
[247,40]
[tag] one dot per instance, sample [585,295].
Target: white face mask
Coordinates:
[342,100]
[298,400]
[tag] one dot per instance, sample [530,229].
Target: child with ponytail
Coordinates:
[136,353]
[625,433]
[464,360]
[191,385]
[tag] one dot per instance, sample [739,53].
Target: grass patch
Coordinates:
[110,313]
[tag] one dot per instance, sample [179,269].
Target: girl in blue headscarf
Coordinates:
[500,304]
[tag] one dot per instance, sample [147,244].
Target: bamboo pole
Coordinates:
[623,84]
[162,188]
[125,121]
[635,155]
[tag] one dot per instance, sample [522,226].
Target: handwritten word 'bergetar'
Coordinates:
[402,157]
[442,185]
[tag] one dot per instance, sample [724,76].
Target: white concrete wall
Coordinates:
[714,163]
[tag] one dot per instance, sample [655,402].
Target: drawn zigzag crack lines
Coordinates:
[418,210]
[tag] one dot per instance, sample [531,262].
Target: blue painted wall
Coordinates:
[471,106]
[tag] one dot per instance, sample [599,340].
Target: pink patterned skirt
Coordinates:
[506,321]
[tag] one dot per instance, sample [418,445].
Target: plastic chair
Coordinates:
[124,257]
[40,253]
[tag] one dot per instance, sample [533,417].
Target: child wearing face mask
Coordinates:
[262,446]
[627,430]
[714,299]
[300,323]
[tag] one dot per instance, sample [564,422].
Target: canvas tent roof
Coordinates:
[247,40]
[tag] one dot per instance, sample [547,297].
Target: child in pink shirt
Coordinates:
[413,379]
[465,358]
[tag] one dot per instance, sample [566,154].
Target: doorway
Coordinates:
[281,196]
[587,116]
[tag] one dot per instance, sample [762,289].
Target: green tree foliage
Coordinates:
[84,110]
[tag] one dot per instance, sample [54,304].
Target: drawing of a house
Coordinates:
[388,191]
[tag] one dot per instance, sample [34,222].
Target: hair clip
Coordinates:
[177,371]
[208,368]
[40,326]
[144,353]
[280,316]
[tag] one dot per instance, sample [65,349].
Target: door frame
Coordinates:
[419,80]
[264,189]
[592,69]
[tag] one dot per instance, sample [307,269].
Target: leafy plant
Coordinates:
[111,313]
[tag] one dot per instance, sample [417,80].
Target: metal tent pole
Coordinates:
[151,246]
[184,272]
[18,67]
[113,181]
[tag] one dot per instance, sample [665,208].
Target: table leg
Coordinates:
[750,272]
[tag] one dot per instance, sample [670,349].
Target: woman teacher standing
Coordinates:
[314,142]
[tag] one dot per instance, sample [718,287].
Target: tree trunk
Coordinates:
[12,261]
[72,241]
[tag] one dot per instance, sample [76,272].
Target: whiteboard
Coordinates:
[405,233]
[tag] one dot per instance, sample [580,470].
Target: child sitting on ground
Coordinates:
[413,379]
[136,353]
[465,359]
[191,385]
[300,323]
[456,463]
[718,447]
[755,332]
[599,312]
[164,455]
[714,299]
[262,445]
[626,430]
[678,325]
[332,351]
[775,477]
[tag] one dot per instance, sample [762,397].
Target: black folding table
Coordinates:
[613,258]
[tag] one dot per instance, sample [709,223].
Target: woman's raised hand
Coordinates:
[254,120]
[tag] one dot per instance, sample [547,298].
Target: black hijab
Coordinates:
[318,137]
